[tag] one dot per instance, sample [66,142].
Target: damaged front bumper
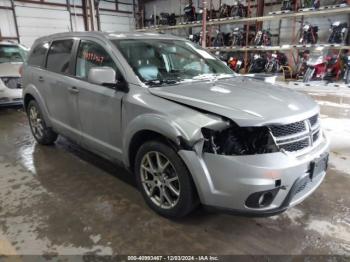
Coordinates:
[236,183]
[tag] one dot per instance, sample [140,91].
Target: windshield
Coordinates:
[158,61]
[12,54]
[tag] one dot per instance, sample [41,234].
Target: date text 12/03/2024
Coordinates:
[173,258]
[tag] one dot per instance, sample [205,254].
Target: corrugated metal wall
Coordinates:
[35,20]
[117,22]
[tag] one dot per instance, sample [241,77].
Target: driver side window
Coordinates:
[91,54]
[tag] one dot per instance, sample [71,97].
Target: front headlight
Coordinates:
[239,141]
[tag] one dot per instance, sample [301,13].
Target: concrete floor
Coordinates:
[64,200]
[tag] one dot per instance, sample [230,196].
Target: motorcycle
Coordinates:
[338,32]
[262,37]
[316,68]
[333,68]
[302,64]
[195,38]
[221,39]
[223,56]
[275,61]
[199,36]
[258,64]
[224,11]
[199,15]
[287,5]
[311,4]
[238,37]
[235,63]
[238,10]
[309,34]
[342,3]
[167,19]
[347,69]
[189,13]
[150,21]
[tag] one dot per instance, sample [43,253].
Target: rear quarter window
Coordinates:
[37,57]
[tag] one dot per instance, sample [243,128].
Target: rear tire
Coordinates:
[269,68]
[234,12]
[43,135]
[308,74]
[164,180]
[347,76]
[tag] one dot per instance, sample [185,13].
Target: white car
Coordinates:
[12,56]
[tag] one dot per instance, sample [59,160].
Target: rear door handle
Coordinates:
[41,79]
[73,90]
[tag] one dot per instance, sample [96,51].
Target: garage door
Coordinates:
[34,22]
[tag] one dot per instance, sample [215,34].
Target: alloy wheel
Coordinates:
[160,180]
[36,122]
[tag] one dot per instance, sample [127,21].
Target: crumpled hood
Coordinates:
[10,69]
[246,101]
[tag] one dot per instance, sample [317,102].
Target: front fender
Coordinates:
[33,91]
[159,124]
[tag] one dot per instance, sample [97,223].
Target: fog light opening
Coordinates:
[278,183]
[262,199]
[265,199]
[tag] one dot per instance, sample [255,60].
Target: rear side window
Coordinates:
[59,56]
[37,57]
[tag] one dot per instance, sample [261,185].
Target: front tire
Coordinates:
[42,134]
[164,180]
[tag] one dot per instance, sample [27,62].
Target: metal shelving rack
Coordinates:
[300,13]
[278,48]
[234,20]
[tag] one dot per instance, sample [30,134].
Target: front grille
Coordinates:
[313,120]
[12,82]
[290,129]
[295,146]
[316,136]
[296,136]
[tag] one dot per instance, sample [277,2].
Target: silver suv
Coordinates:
[190,130]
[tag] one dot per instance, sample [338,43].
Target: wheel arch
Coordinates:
[143,136]
[26,99]
[147,127]
[31,93]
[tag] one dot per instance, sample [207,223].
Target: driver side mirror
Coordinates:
[106,76]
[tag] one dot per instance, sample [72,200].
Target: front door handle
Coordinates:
[41,79]
[73,90]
